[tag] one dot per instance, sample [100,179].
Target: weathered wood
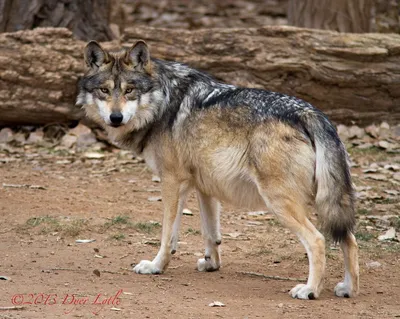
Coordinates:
[352,77]
[38,74]
[336,15]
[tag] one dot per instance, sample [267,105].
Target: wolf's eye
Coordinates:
[104,90]
[127,91]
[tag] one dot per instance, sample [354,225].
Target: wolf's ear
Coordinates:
[139,55]
[95,56]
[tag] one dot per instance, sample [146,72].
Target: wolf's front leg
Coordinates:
[173,195]
[209,212]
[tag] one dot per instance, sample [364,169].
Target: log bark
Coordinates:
[38,74]
[354,78]
[336,15]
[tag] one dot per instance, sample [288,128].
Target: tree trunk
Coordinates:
[354,78]
[337,15]
[88,20]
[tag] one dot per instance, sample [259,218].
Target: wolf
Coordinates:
[250,147]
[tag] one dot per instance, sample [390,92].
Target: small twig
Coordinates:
[255,274]
[175,267]
[23,186]
[12,308]
[113,272]
[124,256]
[67,269]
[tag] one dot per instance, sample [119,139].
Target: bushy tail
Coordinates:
[335,193]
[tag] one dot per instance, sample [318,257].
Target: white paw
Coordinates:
[207,265]
[146,267]
[343,290]
[303,291]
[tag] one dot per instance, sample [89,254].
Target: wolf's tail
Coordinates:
[335,193]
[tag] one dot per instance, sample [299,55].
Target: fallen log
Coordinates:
[352,77]
[38,74]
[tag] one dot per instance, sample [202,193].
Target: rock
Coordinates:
[392,167]
[156,179]
[68,140]
[384,130]
[380,221]
[35,137]
[370,170]
[365,146]
[343,132]
[19,138]
[389,235]
[377,177]
[154,199]
[385,126]
[86,140]
[85,136]
[187,212]
[386,145]
[373,264]
[396,131]
[234,235]
[6,135]
[80,129]
[254,223]
[93,155]
[372,130]
[356,132]
[396,176]
[259,213]
[392,192]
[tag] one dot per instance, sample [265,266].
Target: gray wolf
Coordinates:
[253,148]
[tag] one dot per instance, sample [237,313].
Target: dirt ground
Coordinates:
[51,197]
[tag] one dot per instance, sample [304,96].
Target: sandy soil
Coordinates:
[107,199]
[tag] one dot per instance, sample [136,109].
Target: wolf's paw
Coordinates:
[302,291]
[344,290]
[146,267]
[207,264]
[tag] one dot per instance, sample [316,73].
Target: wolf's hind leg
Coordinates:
[349,287]
[292,213]
[175,228]
[209,213]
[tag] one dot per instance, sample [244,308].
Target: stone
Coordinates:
[389,235]
[69,140]
[6,135]
[356,132]
[35,137]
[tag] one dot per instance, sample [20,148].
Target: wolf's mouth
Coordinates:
[116,125]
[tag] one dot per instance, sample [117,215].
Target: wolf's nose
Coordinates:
[116,118]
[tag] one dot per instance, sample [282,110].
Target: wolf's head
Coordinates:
[119,88]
